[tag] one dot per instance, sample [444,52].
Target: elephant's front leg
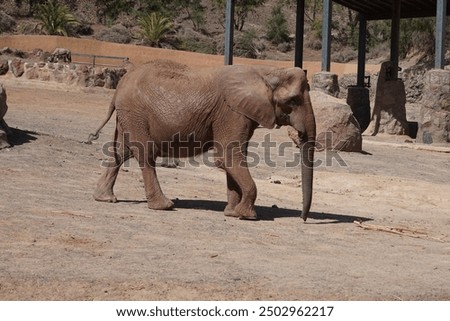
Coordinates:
[241,187]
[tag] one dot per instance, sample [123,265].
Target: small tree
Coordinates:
[111,9]
[245,45]
[31,4]
[242,10]
[55,18]
[154,27]
[277,27]
[194,10]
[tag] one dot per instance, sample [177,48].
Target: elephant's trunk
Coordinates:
[307,157]
[307,145]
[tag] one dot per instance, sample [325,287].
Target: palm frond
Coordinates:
[154,27]
[55,19]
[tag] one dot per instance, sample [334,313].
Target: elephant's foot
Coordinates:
[162,203]
[229,211]
[105,197]
[242,212]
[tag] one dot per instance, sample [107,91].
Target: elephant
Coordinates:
[4,128]
[165,108]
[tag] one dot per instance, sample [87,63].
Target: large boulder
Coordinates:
[434,118]
[337,128]
[326,82]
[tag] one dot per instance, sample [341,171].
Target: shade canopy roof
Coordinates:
[382,9]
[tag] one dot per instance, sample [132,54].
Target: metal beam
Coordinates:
[299,30]
[395,37]
[326,35]
[361,50]
[441,9]
[229,32]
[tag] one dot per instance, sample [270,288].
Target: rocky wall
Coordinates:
[70,74]
[434,118]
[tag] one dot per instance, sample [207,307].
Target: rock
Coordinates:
[112,77]
[326,82]
[434,118]
[413,78]
[389,111]
[4,67]
[32,73]
[60,55]
[17,67]
[337,128]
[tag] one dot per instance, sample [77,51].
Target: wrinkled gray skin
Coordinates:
[4,129]
[218,108]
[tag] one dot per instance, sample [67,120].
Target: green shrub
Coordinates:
[55,19]
[277,27]
[195,44]
[154,27]
[245,45]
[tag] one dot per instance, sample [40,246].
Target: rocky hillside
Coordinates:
[199,27]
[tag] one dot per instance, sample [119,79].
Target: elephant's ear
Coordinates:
[248,93]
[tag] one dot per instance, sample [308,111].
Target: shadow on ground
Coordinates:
[19,137]
[266,213]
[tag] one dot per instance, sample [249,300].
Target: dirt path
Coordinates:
[57,243]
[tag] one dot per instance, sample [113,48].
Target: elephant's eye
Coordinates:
[293,102]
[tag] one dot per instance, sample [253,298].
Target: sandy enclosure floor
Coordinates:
[57,243]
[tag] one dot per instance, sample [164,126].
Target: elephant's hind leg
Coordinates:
[155,197]
[104,190]
[145,155]
[234,196]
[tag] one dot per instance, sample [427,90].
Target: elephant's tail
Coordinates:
[94,136]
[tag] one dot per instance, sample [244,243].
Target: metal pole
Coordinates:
[299,30]
[441,9]
[361,50]
[229,32]
[326,35]
[395,38]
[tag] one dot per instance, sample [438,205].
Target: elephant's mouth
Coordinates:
[283,119]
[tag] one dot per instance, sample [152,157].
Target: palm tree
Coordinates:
[154,27]
[56,19]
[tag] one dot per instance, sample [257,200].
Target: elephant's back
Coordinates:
[167,93]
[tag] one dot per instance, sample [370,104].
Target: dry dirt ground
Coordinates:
[57,243]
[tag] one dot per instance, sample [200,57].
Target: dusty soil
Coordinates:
[57,243]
